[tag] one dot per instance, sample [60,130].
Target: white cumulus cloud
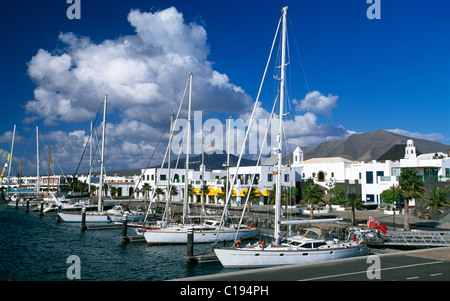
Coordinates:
[317,102]
[144,74]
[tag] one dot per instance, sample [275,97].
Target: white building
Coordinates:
[28,184]
[374,177]
[264,179]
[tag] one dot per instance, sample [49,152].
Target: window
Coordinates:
[369,177]
[319,244]
[321,176]
[163,177]
[434,171]
[255,179]
[380,174]
[269,177]
[286,177]
[370,198]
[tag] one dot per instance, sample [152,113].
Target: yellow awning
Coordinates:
[211,192]
[266,192]
[197,191]
[243,192]
[257,192]
[234,192]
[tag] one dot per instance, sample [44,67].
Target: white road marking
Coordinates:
[364,272]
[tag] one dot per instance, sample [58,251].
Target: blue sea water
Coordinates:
[36,248]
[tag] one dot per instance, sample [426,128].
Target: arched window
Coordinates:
[321,176]
[176,178]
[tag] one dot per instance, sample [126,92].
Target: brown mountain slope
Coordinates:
[369,146]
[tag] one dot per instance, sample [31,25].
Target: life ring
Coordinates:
[252,225]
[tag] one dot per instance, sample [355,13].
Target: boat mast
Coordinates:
[169,186]
[10,159]
[100,207]
[37,162]
[277,232]
[188,147]
[90,160]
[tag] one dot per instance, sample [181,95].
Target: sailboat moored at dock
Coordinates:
[292,250]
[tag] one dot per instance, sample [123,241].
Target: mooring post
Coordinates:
[125,237]
[83,219]
[41,212]
[190,245]
[28,205]
[17,203]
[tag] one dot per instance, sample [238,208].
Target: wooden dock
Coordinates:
[203,258]
[102,226]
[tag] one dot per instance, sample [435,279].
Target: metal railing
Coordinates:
[417,238]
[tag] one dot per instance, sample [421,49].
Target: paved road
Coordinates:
[424,265]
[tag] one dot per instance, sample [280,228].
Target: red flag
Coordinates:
[374,224]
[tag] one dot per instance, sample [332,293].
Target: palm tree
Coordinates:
[438,198]
[272,193]
[289,194]
[80,186]
[113,190]
[354,200]
[204,190]
[94,189]
[159,191]
[252,196]
[105,189]
[411,186]
[173,191]
[313,194]
[146,188]
[190,190]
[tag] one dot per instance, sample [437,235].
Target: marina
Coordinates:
[36,248]
[271,215]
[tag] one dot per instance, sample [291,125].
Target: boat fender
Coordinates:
[250,226]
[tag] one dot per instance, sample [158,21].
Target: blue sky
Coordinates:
[361,74]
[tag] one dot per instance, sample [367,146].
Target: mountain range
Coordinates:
[376,145]
[369,146]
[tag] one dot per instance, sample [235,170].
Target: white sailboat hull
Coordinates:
[178,235]
[256,257]
[95,218]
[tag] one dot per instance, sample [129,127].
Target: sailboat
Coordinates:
[208,232]
[296,249]
[112,215]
